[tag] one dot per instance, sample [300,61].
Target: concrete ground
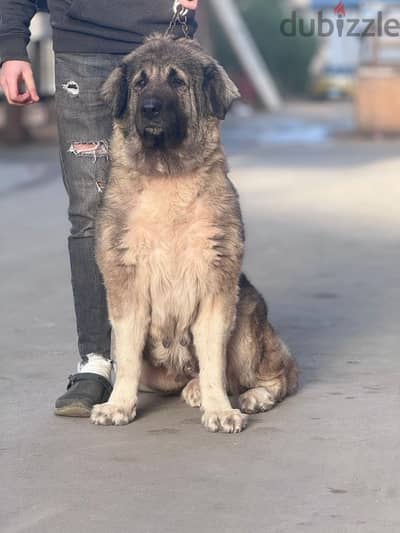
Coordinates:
[323,228]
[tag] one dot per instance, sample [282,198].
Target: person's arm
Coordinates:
[15,18]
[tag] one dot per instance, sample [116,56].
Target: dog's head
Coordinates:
[166,94]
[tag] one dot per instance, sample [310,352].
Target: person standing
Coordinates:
[89,39]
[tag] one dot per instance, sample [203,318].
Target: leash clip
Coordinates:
[180,10]
[179,17]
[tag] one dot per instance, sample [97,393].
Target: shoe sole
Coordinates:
[78,410]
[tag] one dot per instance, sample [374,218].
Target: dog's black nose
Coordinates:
[151,107]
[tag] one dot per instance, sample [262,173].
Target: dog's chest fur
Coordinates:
[174,241]
[170,231]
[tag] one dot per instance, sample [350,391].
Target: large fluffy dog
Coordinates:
[170,247]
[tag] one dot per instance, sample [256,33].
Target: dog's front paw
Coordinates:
[107,414]
[228,421]
[191,393]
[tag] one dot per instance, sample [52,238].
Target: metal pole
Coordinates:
[204,31]
[247,52]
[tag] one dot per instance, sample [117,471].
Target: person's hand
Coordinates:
[189,4]
[12,74]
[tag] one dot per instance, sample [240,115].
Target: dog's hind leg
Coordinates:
[260,365]
[275,377]
[191,393]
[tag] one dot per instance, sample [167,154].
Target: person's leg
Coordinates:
[85,126]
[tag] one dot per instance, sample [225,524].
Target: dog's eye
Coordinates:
[141,82]
[175,81]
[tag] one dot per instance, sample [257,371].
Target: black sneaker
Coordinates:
[84,390]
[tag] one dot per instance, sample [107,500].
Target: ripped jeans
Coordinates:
[85,126]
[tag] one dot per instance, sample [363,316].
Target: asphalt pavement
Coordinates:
[323,231]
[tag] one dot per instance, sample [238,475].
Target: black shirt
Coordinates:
[87,26]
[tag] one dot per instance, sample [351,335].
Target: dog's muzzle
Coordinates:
[160,122]
[151,108]
[151,117]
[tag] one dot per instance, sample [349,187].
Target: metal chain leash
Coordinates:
[179,17]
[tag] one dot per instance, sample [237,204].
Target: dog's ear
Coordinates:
[115,90]
[219,89]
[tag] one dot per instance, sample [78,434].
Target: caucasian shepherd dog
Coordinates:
[170,247]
